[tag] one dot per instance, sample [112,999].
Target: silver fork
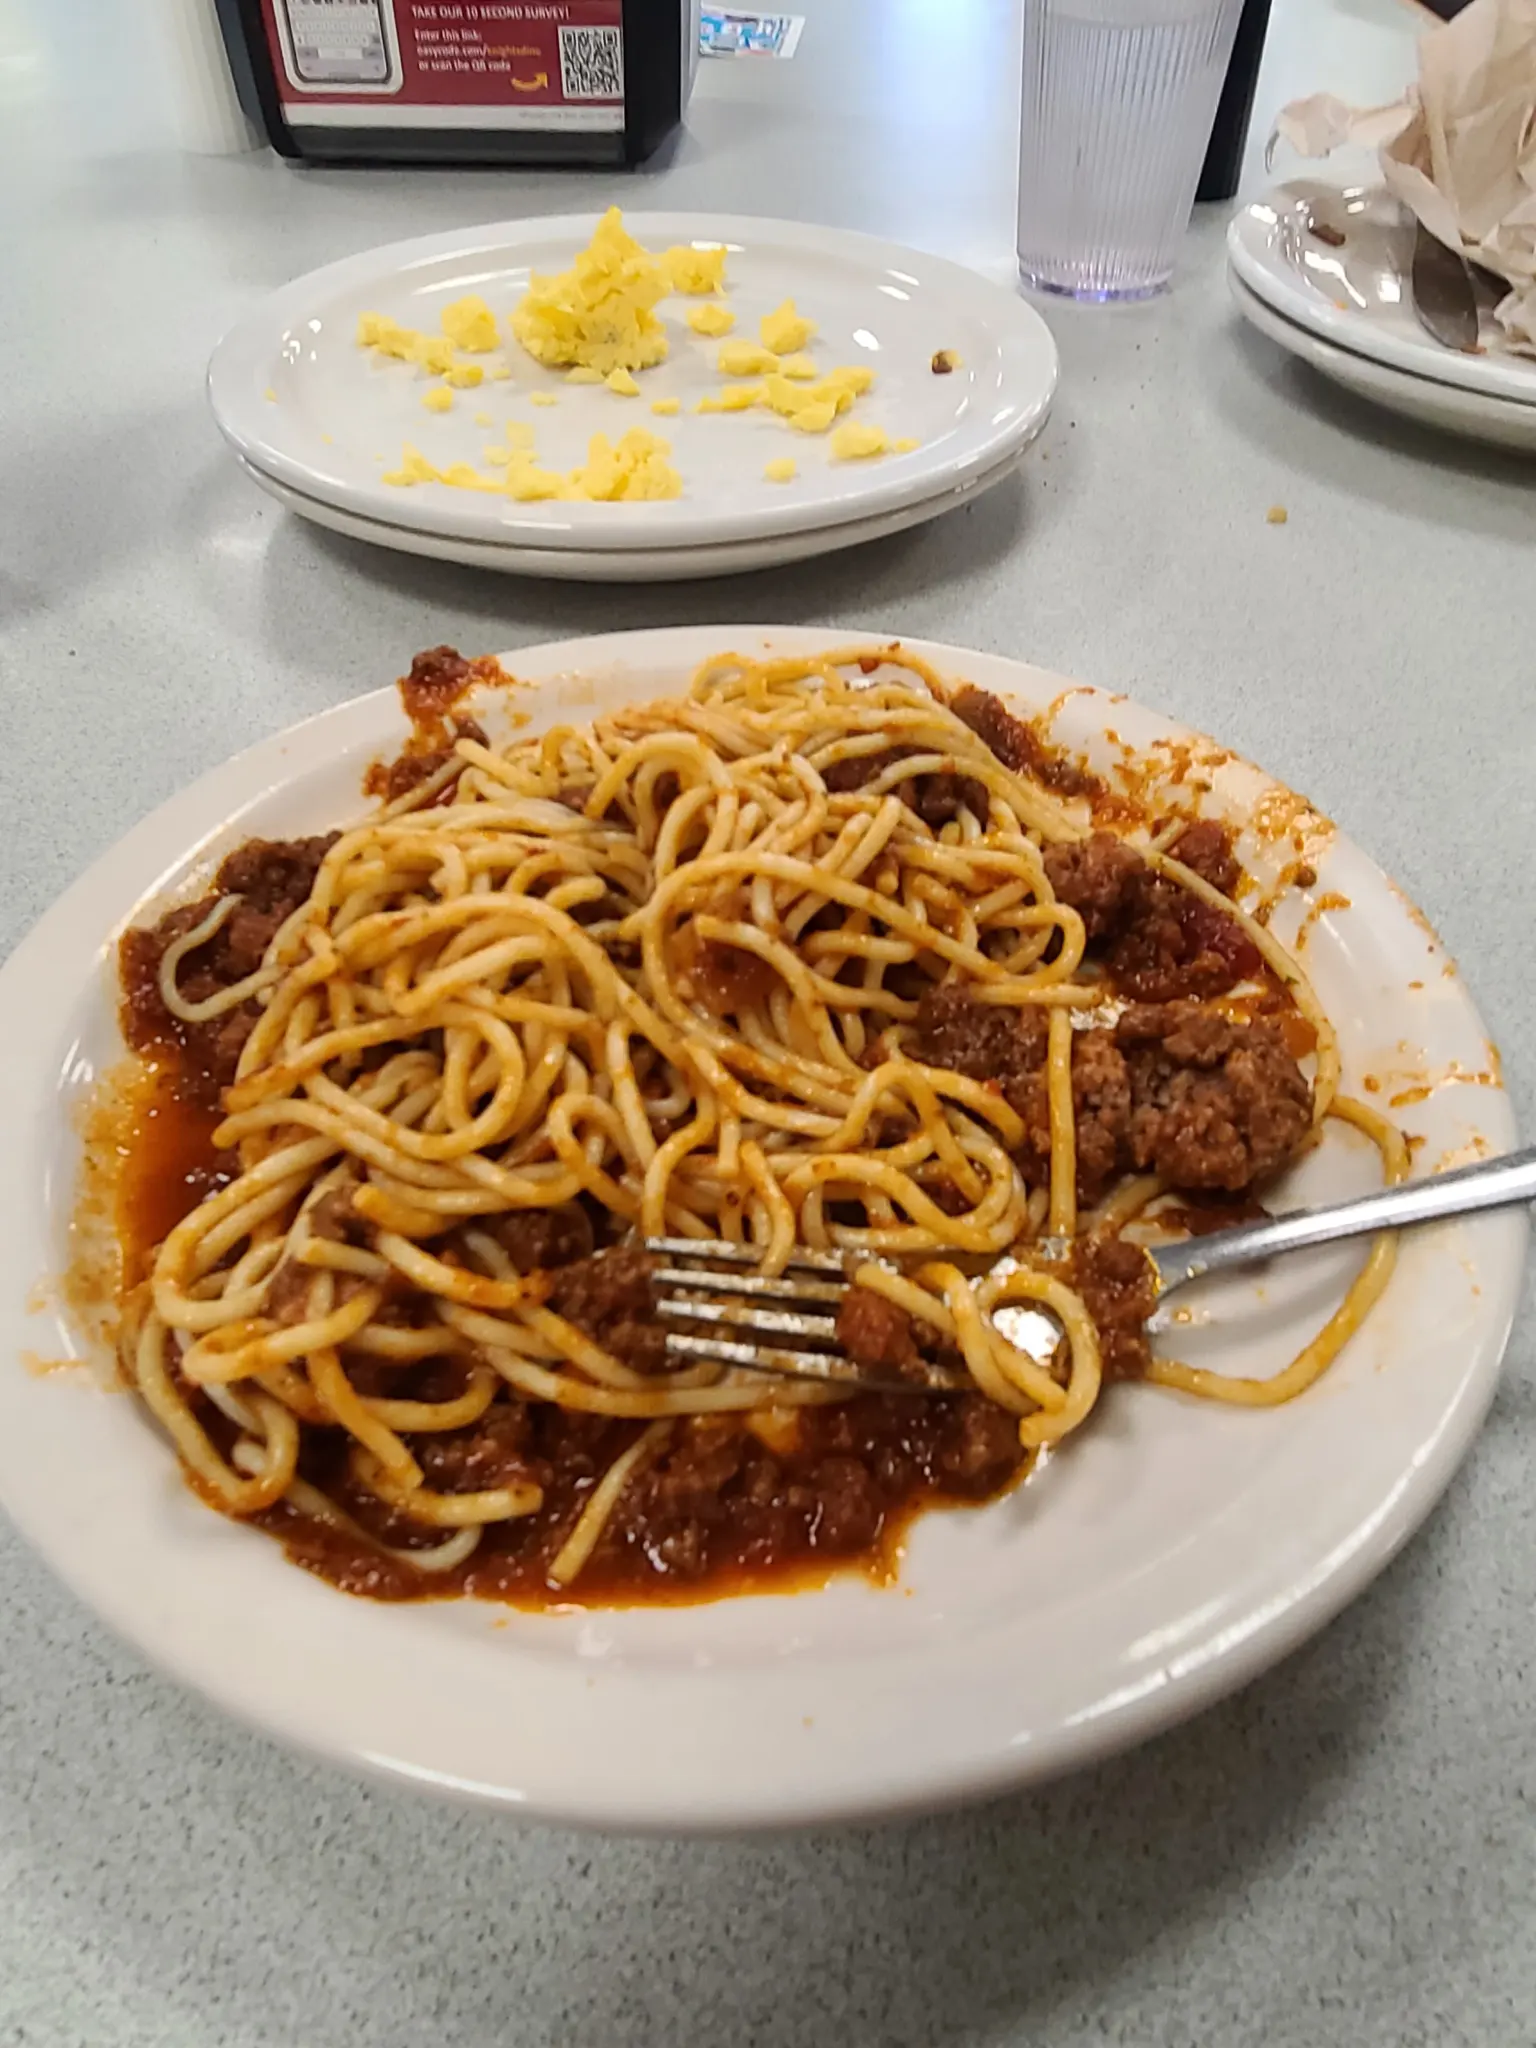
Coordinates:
[787,1324]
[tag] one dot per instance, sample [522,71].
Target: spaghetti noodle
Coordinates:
[823,953]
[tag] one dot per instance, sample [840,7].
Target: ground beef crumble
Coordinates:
[1119,1290]
[610,1297]
[490,1453]
[1205,1100]
[1019,746]
[1092,876]
[272,877]
[875,1332]
[937,797]
[537,1239]
[1206,846]
[1215,1103]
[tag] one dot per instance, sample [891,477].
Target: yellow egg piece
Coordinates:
[464,376]
[470,324]
[414,469]
[745,359]
[464,477]
[854,378]
[695,271]
[711,321]
[732,398]
[623,383]
[432,353]
[785,330]
[666,407]
[801,367]
[529,484]
[598,315]
[634,470]
[815,419]
[782,470]
[858,440]
[438,399]
[584,374]
[905,445]
[542,398]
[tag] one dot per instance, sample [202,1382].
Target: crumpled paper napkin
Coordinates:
[1460,150]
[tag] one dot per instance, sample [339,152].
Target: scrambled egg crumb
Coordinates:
[634,469]
[430,352]
[814,419]
[732,398]
[464,376]
[600,314]
[1277,515]
[666,407]
[542,398]
[857,440]
[905,445]
[711,321]
[637,468]
[811,408]
[415,469]
[784,331]
[470,324]
[782,470]
[623,383]
[500,373]
[801,367]
[745,359]
[695,272]
[438,399]
[583,374]
[529,484]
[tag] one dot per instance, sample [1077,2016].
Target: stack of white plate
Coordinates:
[1343,301]
[321,423]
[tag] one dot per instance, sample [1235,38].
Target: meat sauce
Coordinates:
[788,1497]
[722,1511]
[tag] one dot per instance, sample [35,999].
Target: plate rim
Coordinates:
[218,797]
[1483,376]
[243,417]
[1448,408]
[639,565]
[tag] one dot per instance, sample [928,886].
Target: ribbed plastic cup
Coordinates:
[1119,98]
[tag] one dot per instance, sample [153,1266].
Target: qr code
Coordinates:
[592,63]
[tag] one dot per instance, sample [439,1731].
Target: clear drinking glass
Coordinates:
[1119,98]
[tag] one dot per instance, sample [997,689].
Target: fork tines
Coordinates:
[697,1285]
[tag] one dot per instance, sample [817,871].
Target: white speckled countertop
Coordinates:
[1345,1854]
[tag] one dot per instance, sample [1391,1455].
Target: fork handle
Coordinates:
[1490,1184]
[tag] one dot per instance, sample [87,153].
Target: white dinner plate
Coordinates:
[635,565]
[296,396]
[1358,295]
[1170,1552]
[1497,421]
